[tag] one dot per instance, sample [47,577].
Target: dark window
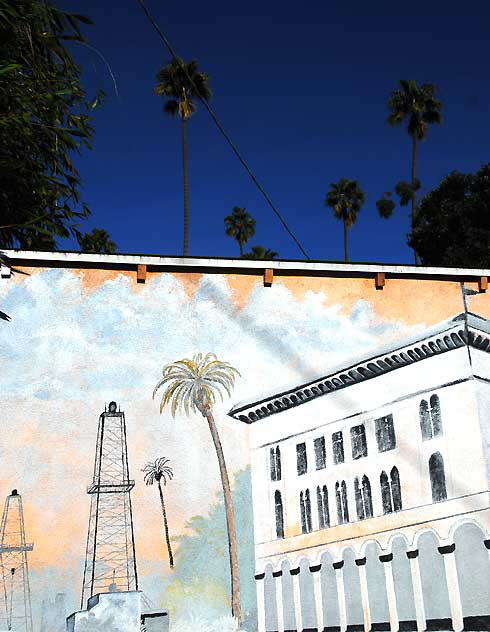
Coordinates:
[391,493]
[437,477]
[320,455]
[385,493]
[364,503]
[385,433]
[275,463]
[341,499]
[430,418]
[358,439]
[322,503]
[338,447]
[301,462]
[279,515]
[305,510]
[396,491]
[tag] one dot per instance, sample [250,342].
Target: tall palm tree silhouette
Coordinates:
[156,472]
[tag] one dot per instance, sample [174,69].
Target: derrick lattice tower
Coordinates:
[16,613]
[110,560]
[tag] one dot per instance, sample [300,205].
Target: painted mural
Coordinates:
[311,455]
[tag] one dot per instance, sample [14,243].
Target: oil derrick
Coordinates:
[110,560]
[17,613]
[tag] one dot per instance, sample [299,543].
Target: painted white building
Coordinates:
[371,490]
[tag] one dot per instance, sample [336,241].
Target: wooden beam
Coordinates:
[141,273]
[379,280]
[268,277]
[483,284]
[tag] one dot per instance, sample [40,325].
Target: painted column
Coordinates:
[339,576]
[361,564]
[279,607]
[390,591]
[449,558]
[260,587]
[297,599]
[317,588]
[418,596]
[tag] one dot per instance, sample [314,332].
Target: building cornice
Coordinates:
[307,268]
[463,330]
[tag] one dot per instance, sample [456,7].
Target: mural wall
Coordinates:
[82,343]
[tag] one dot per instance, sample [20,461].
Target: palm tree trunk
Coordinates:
[186,187]
[230,519]
[414,176]
[346,253]
[241,248]
[165,524]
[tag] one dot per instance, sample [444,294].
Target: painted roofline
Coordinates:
[72,258]
[459,331]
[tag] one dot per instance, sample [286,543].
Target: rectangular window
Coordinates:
[320,455]
[358,440]
[338,447]
[385,433]
[301,462]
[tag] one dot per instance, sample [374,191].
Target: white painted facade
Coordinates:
[365,561]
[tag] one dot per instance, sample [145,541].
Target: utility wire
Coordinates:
[221,129]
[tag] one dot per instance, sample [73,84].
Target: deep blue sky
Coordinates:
[302,89]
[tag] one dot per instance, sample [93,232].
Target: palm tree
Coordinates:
[180,83]
[259,252]
[98,241]
[194,386]
[346,199]
[419,106]
[159,471]
[240,225]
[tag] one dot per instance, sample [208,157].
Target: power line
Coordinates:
[221,129]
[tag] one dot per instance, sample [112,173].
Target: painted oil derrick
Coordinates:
[110,560]
[16,614]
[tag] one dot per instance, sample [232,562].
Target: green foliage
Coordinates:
[415,104]
[385,205]
[405,191]
[179,93]
[240,225]
[45,119]
[346,199]
[452,225]
[261,253]
[200,581]
[98,242]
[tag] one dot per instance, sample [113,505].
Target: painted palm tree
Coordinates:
[156,472]
[240,225]
[180,84]
[346,199]
[419,107]
[194,386]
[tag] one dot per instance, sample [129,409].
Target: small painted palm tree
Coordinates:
[157,472]
[240,225]
[180,94]
[419,106]
[194,386]
[346,199]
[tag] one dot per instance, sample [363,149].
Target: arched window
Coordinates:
[430,418]
[437,477]
[305,510]
[396,492]
[391,494]
[364,503]
[279,515]
[322,503]
[385,493]
[342,506]
[275,463]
